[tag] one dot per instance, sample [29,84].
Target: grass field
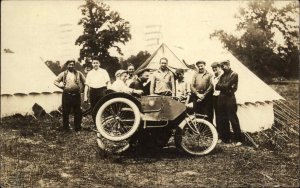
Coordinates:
[34,154]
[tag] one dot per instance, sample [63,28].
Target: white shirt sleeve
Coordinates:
[120,86]
[127,89]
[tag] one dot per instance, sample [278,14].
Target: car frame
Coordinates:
[150,121]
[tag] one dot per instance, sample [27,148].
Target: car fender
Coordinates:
[114,95]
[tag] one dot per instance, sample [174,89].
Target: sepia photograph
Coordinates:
[149,93]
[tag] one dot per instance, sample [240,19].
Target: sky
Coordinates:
[48,29]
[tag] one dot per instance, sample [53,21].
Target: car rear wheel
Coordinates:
[196,136]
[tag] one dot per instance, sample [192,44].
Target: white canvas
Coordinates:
[26,80]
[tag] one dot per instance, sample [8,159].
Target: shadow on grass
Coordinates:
[148,156]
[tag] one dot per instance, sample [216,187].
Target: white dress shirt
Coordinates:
[215,80]
[97,78]
[120,86]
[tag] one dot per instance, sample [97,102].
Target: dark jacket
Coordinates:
[228,83]
[138,85]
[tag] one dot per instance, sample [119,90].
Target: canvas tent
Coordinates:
[163,51]
[174,62]
[254,97]
[26,80]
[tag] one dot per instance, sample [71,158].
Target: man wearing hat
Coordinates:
[215,79]
[202,89]
[71,82]
[120,84]
[180,84]
[142,82]
[227,106]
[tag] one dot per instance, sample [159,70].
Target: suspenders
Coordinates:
[76,77]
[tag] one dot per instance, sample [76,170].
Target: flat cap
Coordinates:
[215,64]
[70,61]
[140,72]
[120,72]
[179,71]
[200,62]
[226,62]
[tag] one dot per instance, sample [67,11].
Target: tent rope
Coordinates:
[284,129]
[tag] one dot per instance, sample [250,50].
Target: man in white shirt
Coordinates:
[120,86]
[215,79]
[96,83]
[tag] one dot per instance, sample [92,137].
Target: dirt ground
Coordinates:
[34,154]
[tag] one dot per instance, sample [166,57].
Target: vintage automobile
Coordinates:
[125,121]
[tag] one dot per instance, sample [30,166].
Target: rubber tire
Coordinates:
[104,148]
[134,128]
[178,138]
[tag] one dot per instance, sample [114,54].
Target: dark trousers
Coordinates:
[227,112]
[204,107]
[217,115]
[96,94]
[70,102]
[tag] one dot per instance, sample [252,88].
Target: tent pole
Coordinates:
[286,111]
[59,112]
[49,115]
[289,128]
[289,108]
[271,138]
[281,108]
[34,116]
[282,133]
[277,112]
[251,139]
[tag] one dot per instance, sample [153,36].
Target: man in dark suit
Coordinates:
[227,106]
[141,83]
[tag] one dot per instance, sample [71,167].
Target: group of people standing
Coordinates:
[210,93]
[215,94]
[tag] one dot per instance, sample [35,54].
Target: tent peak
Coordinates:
[163,51]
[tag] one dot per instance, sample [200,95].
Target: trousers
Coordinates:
[216,114]
[204,107]
[71,101]
[227,109]
[96,94]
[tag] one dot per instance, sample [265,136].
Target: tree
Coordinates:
[103,31]
[135,60]
[259,25]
